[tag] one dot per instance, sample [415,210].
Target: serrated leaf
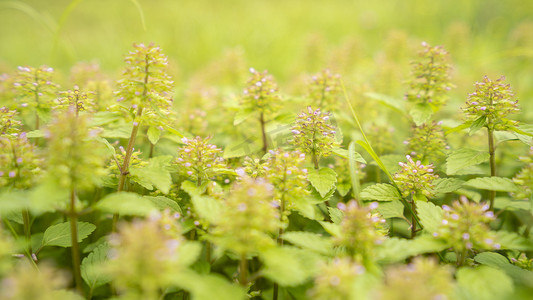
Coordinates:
[344,188]
[447,185]
[323,180]
[153,134]
[59,234]
[163,203]
[421,113]
[156,173]
[288,266]
[477,124]
[380,192]
[430,216]
[206,287]
[311,241]
[493,183]
[126,203]
[391,209]
[462,158]
[484,283]
[91,271]
[335,214]
[499,261]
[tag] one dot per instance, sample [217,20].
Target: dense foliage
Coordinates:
[235,186]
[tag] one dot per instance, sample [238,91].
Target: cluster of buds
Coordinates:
[76,98]
[324,90]
[198,159]
[88,76]
[361,230]
[415,179]
[143,253]
[465,226]
[422,279]
[255,167]
[248,218]
[524,178]
[9,125]
[313,133]
[336,280]
[261,93]
[35,87]
[284,170]
[113,167]
[74,156]
[523,262]
[427,142]
[20,164]
[26,282]
[145,83]
[430,77]
[494,100]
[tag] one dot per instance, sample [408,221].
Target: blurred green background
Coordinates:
[369,42]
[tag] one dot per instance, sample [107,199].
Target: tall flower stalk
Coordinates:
[489,107]
[144,91]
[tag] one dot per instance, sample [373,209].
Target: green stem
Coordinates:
[492,161]
[413,220]
[263,132]
[27,229]
[243,271]
[75,249]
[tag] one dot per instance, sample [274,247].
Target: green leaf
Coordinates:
[163,203]
[396,249]
[458,128]
[484,283]
[59,234]
[126,203]
[288,266]
[335,214]
[447,185]
[421,113]
[500,184]
[390,161]
[430,216]
[206,207]
[331,228]
[121,132]
[346,154]
[391,209]
[380,192]
[477,124]
[35,134]
[311,241]
[91,271]
[513,241]
[206,287]
[243,115]
[462,158]
[156,173]
[323,180]
[153,134]
[343,188]
[188,252]
[498,261]
[394,103]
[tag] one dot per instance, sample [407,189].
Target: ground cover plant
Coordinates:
[228,183]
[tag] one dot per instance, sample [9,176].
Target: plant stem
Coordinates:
[492,161]
[263,132]
[413,219]
[75,249]
[27,229]
[243,271]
